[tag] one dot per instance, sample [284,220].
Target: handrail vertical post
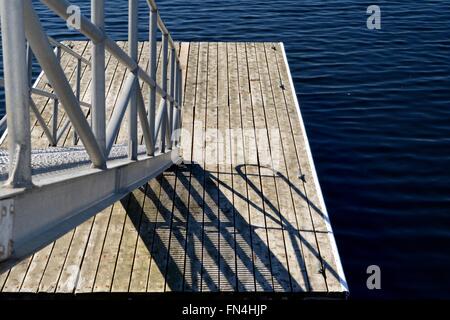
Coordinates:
[172,94]
[179,100]
[165,59]
[98,116]
[153,56]
[77,94]
[56,107]
[17,93]
[132,105]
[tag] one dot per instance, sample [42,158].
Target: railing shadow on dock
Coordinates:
[204,178]
[189,228]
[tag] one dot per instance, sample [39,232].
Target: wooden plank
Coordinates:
[194,245]
[210,260]
[36,270]
[189,102]
[108,259]
[278,141]
[309,242]
[142,258]
[16,276]
[71,269]
[177,243]
[92,254]
[277,250]
[261,251]
[3,276]
[243,238]
[227,257]
[158,264]
[128,244]
[55,263]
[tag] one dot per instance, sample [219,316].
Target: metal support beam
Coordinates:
[42,123]
[43,52]
[98,114]
[177,113]
[172,93]
[133,52]
[160,118]
[148,137]
[30,65]
[17,93]
[77,95]
[56,106]
[165,54]
[119,112]
[153,66]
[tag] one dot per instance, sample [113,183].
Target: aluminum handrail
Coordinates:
[157,129]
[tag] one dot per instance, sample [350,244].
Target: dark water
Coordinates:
[377,110]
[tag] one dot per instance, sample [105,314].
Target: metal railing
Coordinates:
[20,23]
[53,135]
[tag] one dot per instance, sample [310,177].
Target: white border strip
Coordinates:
[334,248]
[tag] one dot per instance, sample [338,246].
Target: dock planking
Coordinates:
[243,213]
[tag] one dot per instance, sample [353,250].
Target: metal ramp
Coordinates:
[47,191]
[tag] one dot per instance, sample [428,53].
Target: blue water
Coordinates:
[377,111]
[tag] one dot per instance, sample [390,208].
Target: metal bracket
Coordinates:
[6,228]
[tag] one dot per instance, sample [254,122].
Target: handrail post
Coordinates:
[77,95]
[98,116]
[55,107]
[29,64]
[164,88]
[132,105]
[153,56]
[17,93]
[180,101]
[172,94]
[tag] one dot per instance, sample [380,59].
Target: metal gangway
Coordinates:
[46,192]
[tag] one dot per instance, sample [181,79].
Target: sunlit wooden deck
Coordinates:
[244,213]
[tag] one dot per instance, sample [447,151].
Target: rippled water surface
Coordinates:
[377,110]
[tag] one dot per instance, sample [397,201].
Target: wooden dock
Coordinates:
[243,213]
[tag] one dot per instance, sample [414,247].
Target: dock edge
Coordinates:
[340,270]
